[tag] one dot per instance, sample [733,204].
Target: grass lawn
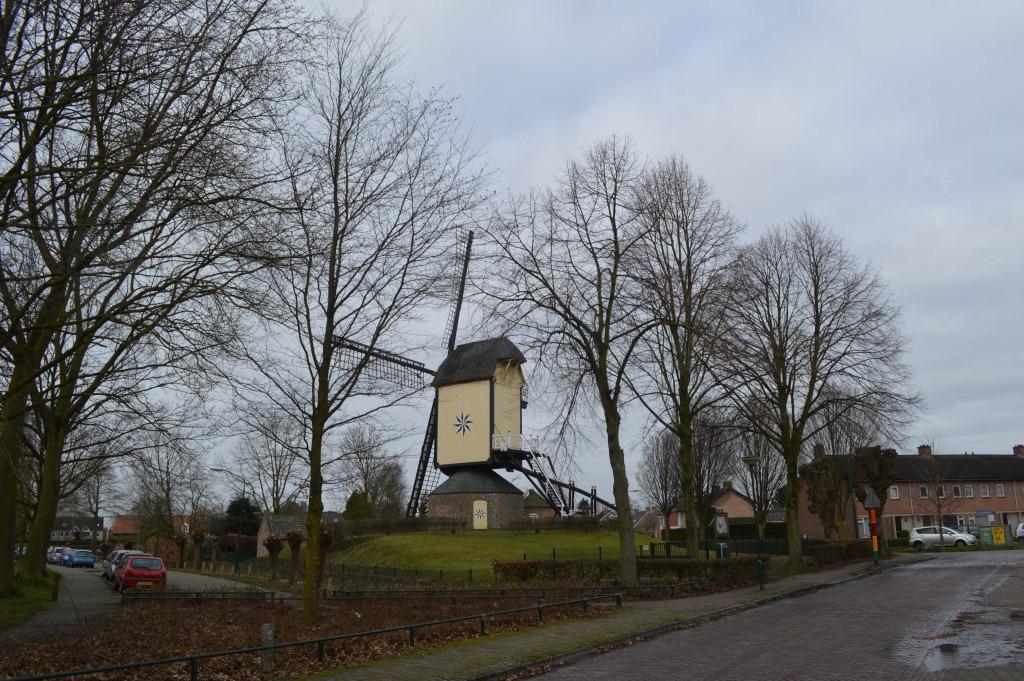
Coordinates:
[476,550]
[30,600]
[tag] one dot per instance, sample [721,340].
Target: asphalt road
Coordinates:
[85,595]
[960,616]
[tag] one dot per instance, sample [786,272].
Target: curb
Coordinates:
[563,659]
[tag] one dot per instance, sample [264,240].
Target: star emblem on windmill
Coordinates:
[462,423]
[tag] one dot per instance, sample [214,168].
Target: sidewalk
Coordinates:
[493,657]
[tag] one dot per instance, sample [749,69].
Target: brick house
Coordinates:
[728,500]
[969,489]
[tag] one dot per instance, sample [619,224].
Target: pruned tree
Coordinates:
[874,468]
[658,474]
[560,260]
[811,328]
[381,175]
[681,265]
[828,490]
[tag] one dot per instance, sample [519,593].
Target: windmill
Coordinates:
[479,396]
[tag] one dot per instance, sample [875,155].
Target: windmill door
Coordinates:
[479,514]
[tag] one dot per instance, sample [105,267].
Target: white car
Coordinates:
[1019,536]
[920,537]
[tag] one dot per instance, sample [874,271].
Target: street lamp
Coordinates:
[753,461]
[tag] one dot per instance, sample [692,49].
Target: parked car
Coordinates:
[140,571]
[79,558]
[54,554]
[111,561]
[107,568]
[63,554]
[120,562]
[1019,534]
[920,537]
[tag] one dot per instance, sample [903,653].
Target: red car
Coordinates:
[140,571]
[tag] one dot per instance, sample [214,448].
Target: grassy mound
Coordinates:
[476,550]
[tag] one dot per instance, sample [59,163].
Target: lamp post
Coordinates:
[753,461]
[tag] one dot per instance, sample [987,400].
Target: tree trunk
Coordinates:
[34,563]
[793,507]
[14,406]
[689,490]
[620,490]
[310,594]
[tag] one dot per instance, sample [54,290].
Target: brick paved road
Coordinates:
[960,616]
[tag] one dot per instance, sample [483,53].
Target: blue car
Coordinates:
[79,558]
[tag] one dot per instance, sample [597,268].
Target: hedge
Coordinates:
[838,551]
[726,571]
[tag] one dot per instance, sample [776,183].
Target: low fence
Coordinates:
[321,643]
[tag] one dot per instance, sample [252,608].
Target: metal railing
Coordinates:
[321,643]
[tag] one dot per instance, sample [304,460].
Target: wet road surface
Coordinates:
[959,616]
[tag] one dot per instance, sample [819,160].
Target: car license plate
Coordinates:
[147,583]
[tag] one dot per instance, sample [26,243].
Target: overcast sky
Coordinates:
[899,125]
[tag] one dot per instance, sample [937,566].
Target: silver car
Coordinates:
[920,537]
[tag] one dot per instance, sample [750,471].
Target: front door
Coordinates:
[479,514]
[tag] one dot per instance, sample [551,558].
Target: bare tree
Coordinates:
[561,258]
[762,483]
[269,457]
[658,475]
[381,175]
[681,264]
[136,201]
[366,467]
[810,329]
[714,461]
[168,479]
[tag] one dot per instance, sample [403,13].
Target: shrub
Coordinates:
[838,551]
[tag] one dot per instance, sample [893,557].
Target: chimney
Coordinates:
[924,450]
[819,451]
[1018,450]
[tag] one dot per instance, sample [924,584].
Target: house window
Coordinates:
[940,491]
[1000,490]
[983,489]
[968,491]
[894,492]
[923,491]
[956,493]
[863,527]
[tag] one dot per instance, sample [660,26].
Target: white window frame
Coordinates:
[1000,490]
[940,491]
[922,491]
[983,490]
[956,492]
[968,491]
[894,492]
